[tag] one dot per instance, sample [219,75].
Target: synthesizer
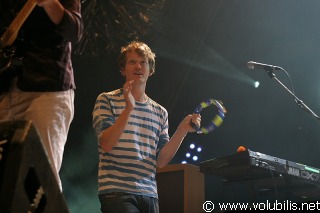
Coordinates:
[249,164]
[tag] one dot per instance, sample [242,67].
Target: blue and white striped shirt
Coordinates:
[131,165]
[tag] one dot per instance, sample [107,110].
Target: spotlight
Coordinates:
[256,84]
[195,158]
[192,154]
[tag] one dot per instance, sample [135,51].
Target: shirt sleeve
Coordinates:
[164,135]
[71,27]
[102,115]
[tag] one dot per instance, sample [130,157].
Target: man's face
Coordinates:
[136,68]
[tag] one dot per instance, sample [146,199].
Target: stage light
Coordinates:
[192,154]
[256,84]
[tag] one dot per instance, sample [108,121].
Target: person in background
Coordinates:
[37,80]
[133,139]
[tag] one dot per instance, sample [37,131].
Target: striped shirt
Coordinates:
[131,165]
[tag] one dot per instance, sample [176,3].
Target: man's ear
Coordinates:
[151,73]
[122,73]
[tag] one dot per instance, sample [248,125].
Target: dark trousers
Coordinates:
[119,202]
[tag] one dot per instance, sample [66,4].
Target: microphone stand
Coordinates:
[298,101]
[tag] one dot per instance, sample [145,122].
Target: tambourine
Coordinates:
[216,121]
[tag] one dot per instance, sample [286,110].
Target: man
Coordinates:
[132,132]
[38,83]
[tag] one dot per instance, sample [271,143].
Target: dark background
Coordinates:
[202,48]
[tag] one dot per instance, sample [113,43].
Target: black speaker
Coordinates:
[27,182]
